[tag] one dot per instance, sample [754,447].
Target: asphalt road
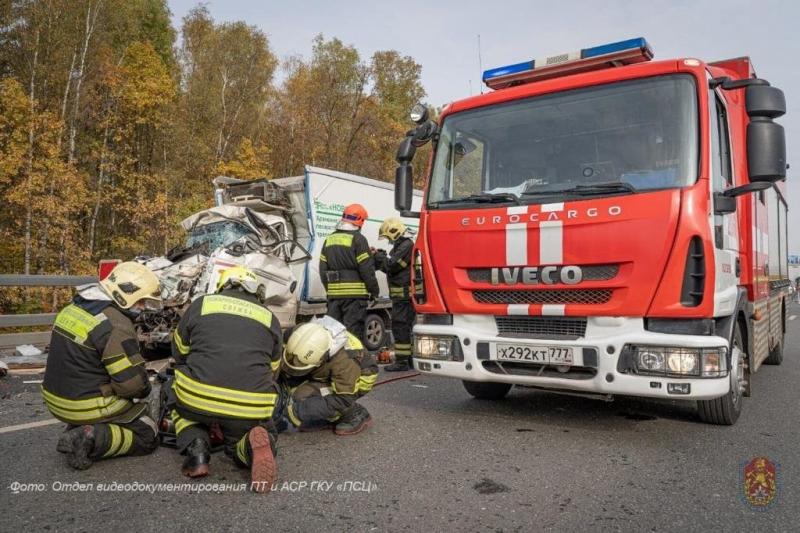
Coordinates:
[437,459]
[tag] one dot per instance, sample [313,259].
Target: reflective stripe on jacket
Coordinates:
[346,267]
[94,367]
[228,349]
[396,265]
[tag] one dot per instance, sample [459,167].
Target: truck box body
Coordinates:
[321,196]
[615,242]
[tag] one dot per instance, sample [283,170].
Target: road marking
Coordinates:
[30,425]
[420,386]
[792,317]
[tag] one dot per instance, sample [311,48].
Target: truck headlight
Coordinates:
[682,361]
[715,364]
[674,361]
[651,360]
[441,347]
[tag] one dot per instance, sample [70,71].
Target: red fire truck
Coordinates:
[604,224]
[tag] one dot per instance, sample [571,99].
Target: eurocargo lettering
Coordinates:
[604,224]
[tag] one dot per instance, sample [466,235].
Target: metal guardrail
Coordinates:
[10,340]
[35,280]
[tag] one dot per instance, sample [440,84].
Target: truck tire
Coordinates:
[775,356]
[374,332]
[487,390]
[725,410]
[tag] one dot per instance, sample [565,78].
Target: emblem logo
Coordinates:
[760,482]
[534,275]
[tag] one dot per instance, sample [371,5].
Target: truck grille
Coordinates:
[536,327]
[590,273]
[533,370]
[567,296]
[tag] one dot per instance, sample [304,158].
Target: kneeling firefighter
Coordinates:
[326,369]
[95,374]
[397,266]
[227,347]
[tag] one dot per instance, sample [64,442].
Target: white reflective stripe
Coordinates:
[549,208]
[553,310]
[551,243]
[517,237]
[518,309]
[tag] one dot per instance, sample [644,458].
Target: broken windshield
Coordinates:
[217,234]
[640,134]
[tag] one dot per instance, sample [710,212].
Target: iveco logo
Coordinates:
[548,275]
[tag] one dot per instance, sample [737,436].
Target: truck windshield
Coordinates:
[217,234]
[617,138]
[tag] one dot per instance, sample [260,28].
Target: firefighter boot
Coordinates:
[355,420]
[198,456]
[401,365]
[77,443]
[262,460]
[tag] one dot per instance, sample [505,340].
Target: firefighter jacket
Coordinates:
[227,348]
[343,378]
[94,369]
[346,266]
[397,267]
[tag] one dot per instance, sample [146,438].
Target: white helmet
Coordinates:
[308,347]
[131,282]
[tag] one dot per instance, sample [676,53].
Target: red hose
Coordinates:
[389,380]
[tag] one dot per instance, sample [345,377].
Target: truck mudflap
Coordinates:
[595,362]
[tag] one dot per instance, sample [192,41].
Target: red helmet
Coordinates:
[355,214]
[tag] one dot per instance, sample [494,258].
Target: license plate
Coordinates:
[555,355]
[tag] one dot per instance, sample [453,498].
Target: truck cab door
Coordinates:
[725,227]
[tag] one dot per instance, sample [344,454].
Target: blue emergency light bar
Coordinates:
[620,53]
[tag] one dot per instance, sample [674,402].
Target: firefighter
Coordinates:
[397,266]
[326,369]
[227,347]
[96,377]
[348,271]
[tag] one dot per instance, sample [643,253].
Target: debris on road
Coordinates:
[25,361]
[3,369]
[28,350]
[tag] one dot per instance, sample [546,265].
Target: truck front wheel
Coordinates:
[725,411]
[374,332]
[487,390]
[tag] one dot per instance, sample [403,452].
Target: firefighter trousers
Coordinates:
[403,317]
[190,426]
[118,439]
[351,312]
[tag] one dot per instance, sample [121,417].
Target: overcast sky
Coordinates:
[443,37]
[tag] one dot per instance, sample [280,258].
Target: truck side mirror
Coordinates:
[403,187]
[766,140]
[725,201]
[406,150]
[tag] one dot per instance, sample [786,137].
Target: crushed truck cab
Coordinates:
[604,224]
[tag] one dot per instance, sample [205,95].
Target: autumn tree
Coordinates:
[110,133]
[336,110]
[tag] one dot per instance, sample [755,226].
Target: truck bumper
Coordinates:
[601,347]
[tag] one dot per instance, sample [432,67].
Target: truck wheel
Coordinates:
[725,411]
[374,331]
[487,390]
[775,356]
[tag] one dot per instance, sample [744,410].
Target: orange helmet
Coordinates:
[355,214]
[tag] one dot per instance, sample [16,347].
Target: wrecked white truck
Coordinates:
[276,228]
